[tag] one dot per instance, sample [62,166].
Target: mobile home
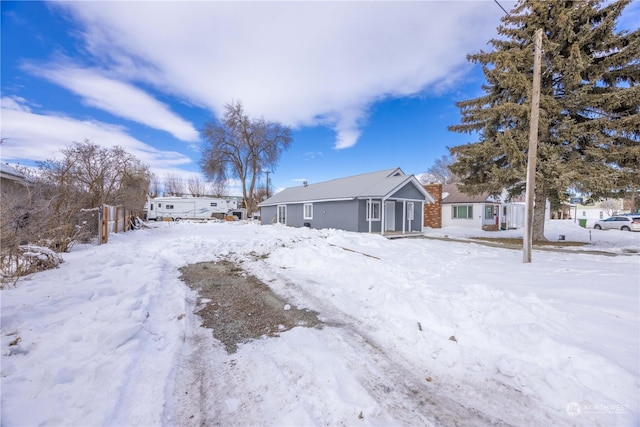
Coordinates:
[177,208]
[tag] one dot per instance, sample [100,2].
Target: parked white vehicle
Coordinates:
[177,208]
[619,222]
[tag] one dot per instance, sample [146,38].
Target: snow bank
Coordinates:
[615,241]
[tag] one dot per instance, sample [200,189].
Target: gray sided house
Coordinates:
[386,202]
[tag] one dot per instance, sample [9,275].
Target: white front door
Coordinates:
[389,216]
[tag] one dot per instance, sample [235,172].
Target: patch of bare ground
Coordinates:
[238,307]
[517,241]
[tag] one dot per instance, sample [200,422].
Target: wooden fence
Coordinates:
[114,219]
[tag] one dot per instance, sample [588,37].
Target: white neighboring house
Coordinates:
[177,208]
[512,216]
[461,210]
[600,210]
[482,211]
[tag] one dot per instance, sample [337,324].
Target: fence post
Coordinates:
[105,224]
[99,226]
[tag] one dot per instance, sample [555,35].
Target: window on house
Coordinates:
[168,207]
[373,211]
[159,205]
[282,214]
[601,214]
[462,212]
[308,210]
[488,212]
[410,211]
[214,204]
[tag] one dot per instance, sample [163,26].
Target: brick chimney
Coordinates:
[433,211]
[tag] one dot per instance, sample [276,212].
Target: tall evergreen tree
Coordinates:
[589,130]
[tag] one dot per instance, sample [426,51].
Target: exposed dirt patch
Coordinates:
[238,306]
[517,241]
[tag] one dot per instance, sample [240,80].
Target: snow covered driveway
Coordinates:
[419,332]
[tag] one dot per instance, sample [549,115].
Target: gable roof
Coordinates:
[9,172]
[452,194]
[374,184]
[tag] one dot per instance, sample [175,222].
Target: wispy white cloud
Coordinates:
[308,63]
[16,103]
[116,97]
[22,129]
[310,155]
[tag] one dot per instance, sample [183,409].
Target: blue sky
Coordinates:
[364,85]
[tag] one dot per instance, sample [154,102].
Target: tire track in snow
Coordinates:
[402,388]
[397,384]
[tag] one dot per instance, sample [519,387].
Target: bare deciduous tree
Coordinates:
[243,148]
[58,206]
[98,175]
[261,194]
[155,186]
[173,185]
[440,173]
[218,188]
[611,206]
[197,187]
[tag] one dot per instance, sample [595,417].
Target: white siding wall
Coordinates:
[590,213]
[476,222]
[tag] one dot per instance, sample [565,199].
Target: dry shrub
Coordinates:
[29,259]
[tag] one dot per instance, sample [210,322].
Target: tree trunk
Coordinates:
[539,211]
[251,202]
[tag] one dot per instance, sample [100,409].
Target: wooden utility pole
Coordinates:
[533,150]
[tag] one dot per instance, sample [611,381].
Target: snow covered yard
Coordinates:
[419,332]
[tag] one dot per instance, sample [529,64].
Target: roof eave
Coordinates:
[416,183]
[290,202]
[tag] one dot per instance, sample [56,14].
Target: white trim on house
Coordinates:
[281,215]
[304,211]
[370,210]
[456,211]
[341,199]
[390,219]
[418,185]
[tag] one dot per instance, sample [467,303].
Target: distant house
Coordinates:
[596,211]
[14,193]
[10,178]
[483,211]
[386,202]
[462,210]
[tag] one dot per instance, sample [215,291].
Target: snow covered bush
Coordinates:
[29,259]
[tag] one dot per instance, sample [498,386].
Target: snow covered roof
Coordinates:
[452,194]
[9,172]
[378,184]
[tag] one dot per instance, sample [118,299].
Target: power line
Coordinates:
[503,9]
[544,54]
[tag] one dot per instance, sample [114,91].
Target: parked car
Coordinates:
[619,222]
